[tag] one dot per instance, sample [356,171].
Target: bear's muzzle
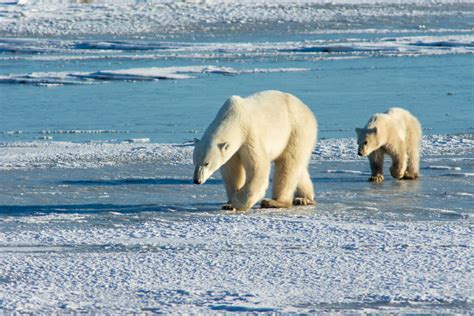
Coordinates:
[198,177]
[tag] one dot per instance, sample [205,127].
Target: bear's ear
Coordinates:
[196,141]
[358,130]
[223,146]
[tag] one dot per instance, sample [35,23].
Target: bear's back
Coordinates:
[398,112]
[403,117]
[273,103]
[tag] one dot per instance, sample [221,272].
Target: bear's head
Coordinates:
[208,157]
[367,141]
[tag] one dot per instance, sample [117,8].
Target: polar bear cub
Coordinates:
[246,136]
[396,133]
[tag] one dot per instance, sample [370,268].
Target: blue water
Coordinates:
[342,93]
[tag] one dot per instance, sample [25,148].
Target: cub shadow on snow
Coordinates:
[339,179]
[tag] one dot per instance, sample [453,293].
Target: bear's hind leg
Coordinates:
[291,169]
[287,174]
[304,194]
[233,175]
[413,165]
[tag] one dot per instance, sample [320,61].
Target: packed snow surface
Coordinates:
[39,154]
[135,74]
[298,261]
[153,49]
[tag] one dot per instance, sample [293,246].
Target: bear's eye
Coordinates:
[365,143]
[206,164]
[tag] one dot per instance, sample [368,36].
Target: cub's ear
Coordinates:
[358,130]
[196,141]
[223,146]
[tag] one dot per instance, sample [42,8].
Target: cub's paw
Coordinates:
[269,203]
[303,201]
[378,178]
[228,207]
[410,176]
[397,174]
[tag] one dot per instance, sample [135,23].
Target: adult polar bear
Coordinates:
[243,140]
[396,133]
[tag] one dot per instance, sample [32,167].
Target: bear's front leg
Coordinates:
[255,187]
[233,175]
[245,199]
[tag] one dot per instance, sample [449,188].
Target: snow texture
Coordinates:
[50,154]
[136,74]
[307,49]
[221,17]
[208,262]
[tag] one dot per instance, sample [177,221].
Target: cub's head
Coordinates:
[367,141]
[208,156]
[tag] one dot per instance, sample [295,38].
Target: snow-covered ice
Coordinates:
[138,74]
[52,154]
[227,17]
[323,48]
[204,262]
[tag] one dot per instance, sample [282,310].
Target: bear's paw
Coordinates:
[397,173]
[303,201]
[228,207]
[269,203]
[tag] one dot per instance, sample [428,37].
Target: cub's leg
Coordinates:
[399,165]
[304,194]
[233,175]
[376,166]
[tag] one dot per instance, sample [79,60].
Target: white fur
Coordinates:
[396,133]
[250,133]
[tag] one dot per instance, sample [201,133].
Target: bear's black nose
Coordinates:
[196,181]
[359,153]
